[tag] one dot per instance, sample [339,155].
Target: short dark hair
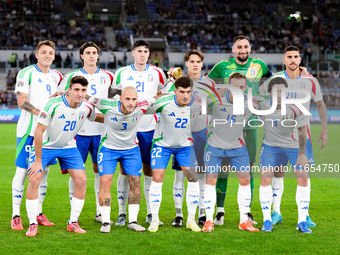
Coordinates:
[193,52]
[237,76]
[183,82]
[240,37]
[78,79]
[291,48]
[86,45]
[276,81]
[138,43]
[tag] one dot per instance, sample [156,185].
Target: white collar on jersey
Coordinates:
[39,70]
[289,77]
[84,72]
[66,103]
[134,69]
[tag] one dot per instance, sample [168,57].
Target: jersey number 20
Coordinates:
[69,126]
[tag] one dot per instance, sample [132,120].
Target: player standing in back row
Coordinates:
[35,84]
[294,79]
[88,138]
[147,80]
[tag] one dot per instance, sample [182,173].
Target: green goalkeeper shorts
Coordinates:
[250,137]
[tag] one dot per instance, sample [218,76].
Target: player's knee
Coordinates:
[105,182]
[244,181]
[265,182]
[302,182]
[34,181]
[80,181]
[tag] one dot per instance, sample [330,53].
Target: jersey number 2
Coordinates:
[139,86]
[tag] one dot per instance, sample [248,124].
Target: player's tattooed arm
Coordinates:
[323,117]
[302,139]
[302,159]
[25,105]
[112,92]
[134,193]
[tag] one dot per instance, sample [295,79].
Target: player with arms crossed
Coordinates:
[88,138]
[194,62]
[119,144]
[225,140]
[58,124]
[173,137]
[292,60]
[254,69]
[284,139]
[35,84]
[147,80]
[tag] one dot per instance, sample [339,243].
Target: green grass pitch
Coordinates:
[227,239]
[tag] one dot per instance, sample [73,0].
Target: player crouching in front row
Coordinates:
[173,137]
[118,144]
[58,124]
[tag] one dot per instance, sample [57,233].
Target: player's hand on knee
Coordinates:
[303,161]
[34,169]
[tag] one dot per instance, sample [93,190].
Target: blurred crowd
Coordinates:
[8,98]
[25,25]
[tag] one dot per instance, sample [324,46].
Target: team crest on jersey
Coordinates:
[192,114]
[54,79]
[252,72]
[150,77]
[302,85]
[20,84]
[134,118]
[102,80]
[81,115]
[43,115]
